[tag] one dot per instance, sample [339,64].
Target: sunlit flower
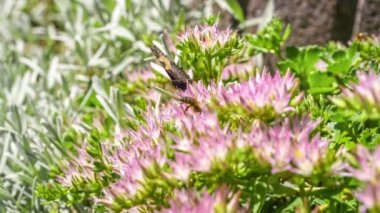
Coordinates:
[364,95]
[131,165]
[130,160]
[207,37]
[140,76]
[240,71]
[203,142]
[367,171]
[321,65]
[369,198]
[262,94]
[262,91]
[191,202]
[289,146]
[80,169]
[148,131]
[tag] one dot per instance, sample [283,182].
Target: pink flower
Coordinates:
[191,202]
[203,143]
[207,37]
[262,91]
[142,152]
[131,165]
[80,168]
[369,198]
[148,131]
[262,95]
[140,75]
[289,146]
[241,71]
[365,95]
[367,171]
[321,65]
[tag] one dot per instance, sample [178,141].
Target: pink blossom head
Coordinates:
[202,144]
[368,166]
[364,95]
[367,171]
[289,146]
[262,92]
[79,169]
[207,37]
[262,96]
[140,76]
[191,202]
[140,151]
[369,198]
[238,71]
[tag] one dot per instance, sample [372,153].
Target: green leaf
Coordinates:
[343,60]
[5,195]
[287,33]
[233,7]
[312,55]
[99,166]
[291,207]
[261,190]
[321,82]
[269,39]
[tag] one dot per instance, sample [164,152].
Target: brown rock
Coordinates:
[370,17]
[317,21]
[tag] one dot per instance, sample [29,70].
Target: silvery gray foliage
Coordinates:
[47,51]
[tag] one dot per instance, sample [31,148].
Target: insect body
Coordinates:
[178,77]
[191,102]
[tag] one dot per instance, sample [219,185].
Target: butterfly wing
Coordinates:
[177,76]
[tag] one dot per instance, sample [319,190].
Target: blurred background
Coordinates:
[317,22]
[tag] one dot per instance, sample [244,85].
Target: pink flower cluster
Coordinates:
[203,143]
[191,202]
[286,146]
[363,95]
[199,142]
[80,168]
[140,76]
[207,37]
[368,172]
[240,71]
[289,146]
[263,92]
[131,159]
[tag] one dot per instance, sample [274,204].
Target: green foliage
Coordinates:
[208,57]
[233,7]
[269,39]
[321,70]
[51,53]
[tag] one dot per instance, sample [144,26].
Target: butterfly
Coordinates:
[177,76]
